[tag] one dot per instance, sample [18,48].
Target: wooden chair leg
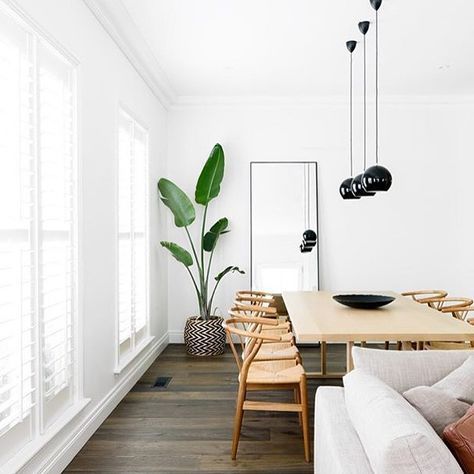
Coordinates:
[239,414]
[387,345]
[399,345]
[298,401]
[304,405]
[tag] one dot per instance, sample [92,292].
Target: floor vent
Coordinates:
[161,382]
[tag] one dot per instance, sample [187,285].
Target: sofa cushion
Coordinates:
[396,438]
[460,382]
[403,370]
[437,407]
[459,437]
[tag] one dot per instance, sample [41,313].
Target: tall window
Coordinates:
[132,236]
[37,233]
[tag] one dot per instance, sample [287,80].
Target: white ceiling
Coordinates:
[295,48]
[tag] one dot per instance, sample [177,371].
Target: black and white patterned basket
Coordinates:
[204,337]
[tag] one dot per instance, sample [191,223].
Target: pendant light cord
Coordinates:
[350,118]
[309,195]
[376,88]
[365,108]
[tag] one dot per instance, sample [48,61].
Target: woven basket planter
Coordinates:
[204,337]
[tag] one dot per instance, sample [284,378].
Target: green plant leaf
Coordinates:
[223,273]
[209,182]
[180,254]
[210,238]
[177,201]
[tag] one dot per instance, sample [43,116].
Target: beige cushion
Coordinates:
[395,437]
[436,406]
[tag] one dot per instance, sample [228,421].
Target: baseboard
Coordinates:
[73,443]
[176,337]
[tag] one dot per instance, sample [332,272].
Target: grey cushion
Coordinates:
[460,382]
[437,407]
[403,370]
[396,438]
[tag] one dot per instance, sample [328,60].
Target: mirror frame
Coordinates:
[315,163]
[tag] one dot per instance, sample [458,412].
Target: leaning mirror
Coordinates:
[284,240]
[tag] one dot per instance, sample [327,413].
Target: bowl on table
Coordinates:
[364,301]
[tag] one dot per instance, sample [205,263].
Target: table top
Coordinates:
[315,316]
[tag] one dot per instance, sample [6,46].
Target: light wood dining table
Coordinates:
[316,317]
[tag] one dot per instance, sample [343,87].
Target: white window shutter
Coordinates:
[132,234]
[37,233]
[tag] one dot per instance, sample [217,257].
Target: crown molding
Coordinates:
[117,22]
[183,102]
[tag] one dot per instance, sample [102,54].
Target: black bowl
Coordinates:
[364,301]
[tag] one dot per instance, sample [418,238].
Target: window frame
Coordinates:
[122,360]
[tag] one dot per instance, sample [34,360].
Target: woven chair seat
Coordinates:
[275,372]
[276,351]
[269,351]
[274,328]
[276,332]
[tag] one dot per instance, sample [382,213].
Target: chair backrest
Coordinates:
[248,332]
[254,293]
[255,297]
[424,296]
[459,307]
[255,309]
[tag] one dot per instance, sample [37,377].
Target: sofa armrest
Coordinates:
[337,447]
[403,370]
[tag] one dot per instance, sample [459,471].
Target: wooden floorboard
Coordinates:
[187,427]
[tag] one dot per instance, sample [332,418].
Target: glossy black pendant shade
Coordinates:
[357,188]
[364,27]
[376,178]
[376,4]
[351,45]
[310,238]
[345,190]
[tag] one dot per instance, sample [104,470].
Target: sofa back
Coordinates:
[403,370]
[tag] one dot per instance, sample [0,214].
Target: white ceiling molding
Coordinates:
[314,101]
[115,19]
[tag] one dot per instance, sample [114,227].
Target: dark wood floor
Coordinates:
[187,427]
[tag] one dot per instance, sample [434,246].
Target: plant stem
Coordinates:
[197,290]
[209,308]
[193,248]
[203,281]
[209,267]
[202,304]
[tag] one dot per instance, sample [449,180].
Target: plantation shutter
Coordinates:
[17,286]
[56,242]
[37,233]
[132,233]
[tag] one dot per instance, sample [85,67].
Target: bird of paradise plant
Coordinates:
[182,208]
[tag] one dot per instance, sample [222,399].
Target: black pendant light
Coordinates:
[345,188]
[356,185]
[377,177]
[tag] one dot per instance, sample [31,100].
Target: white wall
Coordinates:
[105,79]
[407,238]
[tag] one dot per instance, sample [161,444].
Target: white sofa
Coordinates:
[359,431]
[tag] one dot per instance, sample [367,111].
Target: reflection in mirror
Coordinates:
[284,226]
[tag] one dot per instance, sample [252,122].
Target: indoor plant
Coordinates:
[203,334]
